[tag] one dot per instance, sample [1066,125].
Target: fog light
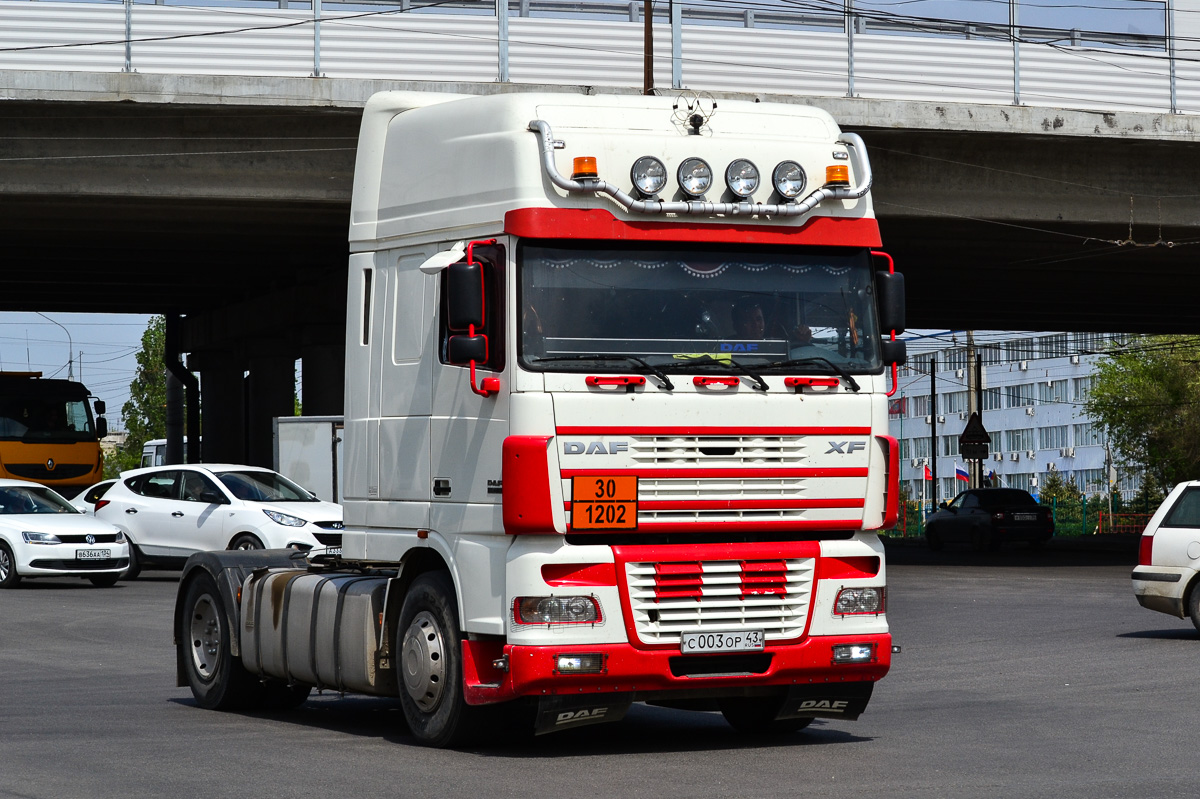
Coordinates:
[859,600]
[741,177]
[591,663]
[789,179]
[648,175]
[555,610]
[853,653]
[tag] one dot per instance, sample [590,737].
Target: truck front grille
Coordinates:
[716,451]
[667,599]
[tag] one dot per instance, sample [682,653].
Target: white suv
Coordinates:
[1165,578]
[171,512]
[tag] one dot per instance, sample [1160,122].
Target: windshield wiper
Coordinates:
[729,365]
[837,370]
[652,369]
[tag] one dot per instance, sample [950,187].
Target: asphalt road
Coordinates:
[1021,675]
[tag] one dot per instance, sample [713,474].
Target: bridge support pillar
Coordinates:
[272,393]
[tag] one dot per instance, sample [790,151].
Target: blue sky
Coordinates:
[103,348]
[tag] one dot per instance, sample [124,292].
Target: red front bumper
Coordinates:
[532,670]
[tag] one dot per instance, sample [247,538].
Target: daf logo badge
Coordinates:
[49,464]
[91,539]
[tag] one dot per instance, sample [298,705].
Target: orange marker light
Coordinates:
[837,175]
[585,167]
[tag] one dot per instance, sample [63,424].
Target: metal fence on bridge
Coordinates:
[705,48]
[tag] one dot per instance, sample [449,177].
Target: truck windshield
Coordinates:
[44,419]
[772,308]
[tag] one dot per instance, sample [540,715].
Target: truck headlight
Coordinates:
[741,176]
[648,175]
[851,601]
[695,176]
[556,610]
[789,179]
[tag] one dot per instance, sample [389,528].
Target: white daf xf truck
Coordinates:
[615,427]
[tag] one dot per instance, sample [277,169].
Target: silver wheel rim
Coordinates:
[423,656]
[205,634]
[5,564]
[246,543]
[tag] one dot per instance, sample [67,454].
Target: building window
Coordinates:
[905,449]
[992,399]
[1019,440]
[920,447]
[1081,388]
[1022,480]
[1054,346]
[1019,396]
[956,358]
[1088,435]
[954,402]
[919,406]
[1052,391]
[1053,437]
[1088,343]
[949,445]
[1091,481]
[990,355]
[1020,349]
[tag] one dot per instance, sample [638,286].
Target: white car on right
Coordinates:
[1167,577]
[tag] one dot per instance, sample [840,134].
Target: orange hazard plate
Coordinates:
[604,502]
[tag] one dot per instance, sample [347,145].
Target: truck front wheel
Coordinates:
[431,663]
[756,716]
[217,678]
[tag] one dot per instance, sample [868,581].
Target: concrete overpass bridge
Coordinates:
[197,162]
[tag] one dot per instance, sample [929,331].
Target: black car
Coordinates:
[988,517]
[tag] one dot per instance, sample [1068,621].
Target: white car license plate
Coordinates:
[740,641]
[93,554]
[1024,517]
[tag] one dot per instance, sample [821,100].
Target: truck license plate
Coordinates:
[604,502]
[740,641]
[93,554]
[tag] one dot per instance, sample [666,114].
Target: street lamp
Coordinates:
[70,345]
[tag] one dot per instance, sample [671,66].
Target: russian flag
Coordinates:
[960,472]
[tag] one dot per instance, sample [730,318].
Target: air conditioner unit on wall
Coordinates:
[941,420]
[962,414]
[999,456]
[915,462]
[1070,452]
[1029,454]
[959,372]
[928,419]
[1029,411]
[1016,456]
[1023,365]
[1033,482]
[1074,359]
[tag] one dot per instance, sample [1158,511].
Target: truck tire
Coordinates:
[430,663]
[756,716]
[217,678]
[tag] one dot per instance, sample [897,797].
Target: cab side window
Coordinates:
[198,488]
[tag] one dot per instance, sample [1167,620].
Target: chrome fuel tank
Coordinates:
[317,629]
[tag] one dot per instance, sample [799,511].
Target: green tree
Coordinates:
[1148,397]
[1062,495]
[145,412]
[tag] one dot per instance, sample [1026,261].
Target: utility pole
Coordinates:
[974,405]
[648,47]
[933,450]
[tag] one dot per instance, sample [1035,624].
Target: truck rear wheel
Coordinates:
[756,716]
[217,678]
[430,663]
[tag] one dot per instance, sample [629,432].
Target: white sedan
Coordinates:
[171,512]
[44,535]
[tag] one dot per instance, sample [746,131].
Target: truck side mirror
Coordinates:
[462,350]
[101,427]
[464,296]
[99,407]
[889,288]
[894,352]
